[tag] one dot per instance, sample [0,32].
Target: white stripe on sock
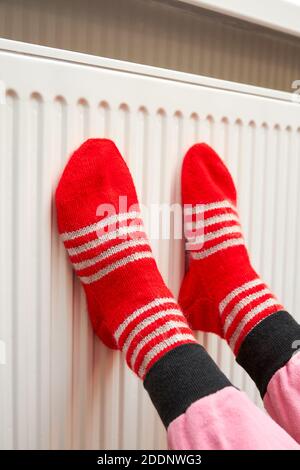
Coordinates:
[168,326]
[248,317]
[158,348]
[244,287]
[122,231]
[216,219]
[110,252]
[227,217]
[112,219]
[241,304]
[200,208]
[221,246]
[217,234]
[148,321]
[153,304]
[113,266]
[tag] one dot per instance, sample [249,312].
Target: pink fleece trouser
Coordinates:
[227,419]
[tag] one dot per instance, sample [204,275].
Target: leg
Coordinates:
[202,410]
[119,275]
[268,356]
[223,294]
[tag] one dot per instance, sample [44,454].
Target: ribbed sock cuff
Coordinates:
[268,347]
[182,376]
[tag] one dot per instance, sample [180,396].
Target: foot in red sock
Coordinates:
[221,292]
[129,305]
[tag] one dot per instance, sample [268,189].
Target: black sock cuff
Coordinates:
[268,347]
[182,376]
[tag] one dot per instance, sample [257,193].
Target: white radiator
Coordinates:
[60,387]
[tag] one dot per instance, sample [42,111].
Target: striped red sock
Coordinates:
[129,305]
[221,292]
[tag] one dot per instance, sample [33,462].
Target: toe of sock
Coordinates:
[87,169]
[94,176]
[205,177]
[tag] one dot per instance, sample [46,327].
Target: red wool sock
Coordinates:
[221,292]
[129,305]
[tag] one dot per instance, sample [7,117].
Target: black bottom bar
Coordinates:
[134,459]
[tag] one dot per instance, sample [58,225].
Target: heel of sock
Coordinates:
[99,327]
[199,309]
[202,315]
